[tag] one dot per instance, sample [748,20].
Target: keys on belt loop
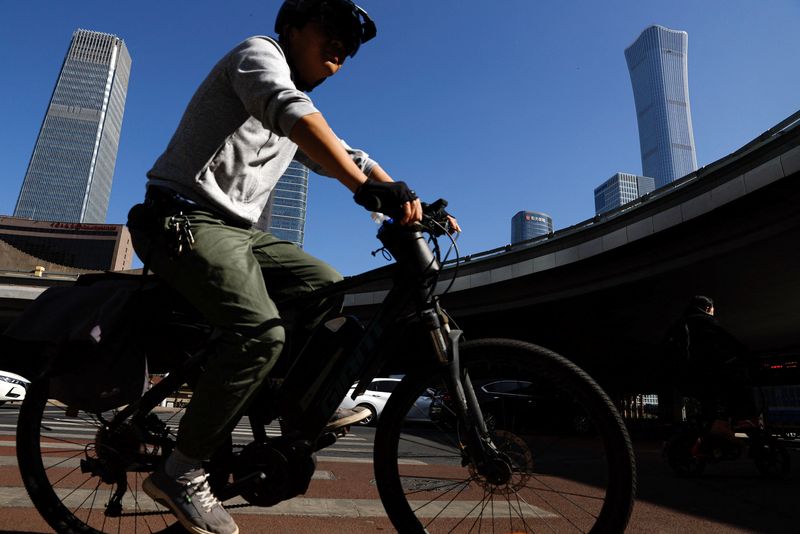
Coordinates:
[181,231]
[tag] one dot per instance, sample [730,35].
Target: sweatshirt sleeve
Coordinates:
[261,78]
[359,157]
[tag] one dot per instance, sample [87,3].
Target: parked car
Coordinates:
[520,405]
[12,387]
[376,395]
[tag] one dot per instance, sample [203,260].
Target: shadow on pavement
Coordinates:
[732,492]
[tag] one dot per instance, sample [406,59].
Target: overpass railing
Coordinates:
[786,125]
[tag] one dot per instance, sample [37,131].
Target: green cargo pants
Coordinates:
[236,278]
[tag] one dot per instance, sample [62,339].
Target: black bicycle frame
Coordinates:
[414,276]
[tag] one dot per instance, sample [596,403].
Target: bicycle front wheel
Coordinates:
[567,457]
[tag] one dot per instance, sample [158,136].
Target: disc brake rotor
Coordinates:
[517,454]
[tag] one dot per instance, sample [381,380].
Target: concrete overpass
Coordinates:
[604,291]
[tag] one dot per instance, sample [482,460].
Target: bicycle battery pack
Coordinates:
[321,376]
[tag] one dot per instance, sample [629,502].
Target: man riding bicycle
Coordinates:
[246,122]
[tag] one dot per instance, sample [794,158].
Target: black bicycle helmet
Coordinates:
[343,18]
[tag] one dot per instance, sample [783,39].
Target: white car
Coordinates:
[12,387]
[376,395]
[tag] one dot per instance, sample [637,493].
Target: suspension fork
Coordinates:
[445,344]
[478,443]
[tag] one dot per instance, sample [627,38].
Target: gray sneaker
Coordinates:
[347,416]
[190,499]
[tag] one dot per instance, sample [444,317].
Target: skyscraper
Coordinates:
[621,189]
[285,213]
[529,224]
[658,66]
[70,172]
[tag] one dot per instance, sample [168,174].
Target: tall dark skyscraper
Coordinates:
[285,213]
[658,66]
[70,172]
[529,224]
[621,189]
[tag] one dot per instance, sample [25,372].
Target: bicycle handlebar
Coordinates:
[435,218]
[408,246]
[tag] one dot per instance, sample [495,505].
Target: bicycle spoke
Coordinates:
[465,516]
[93,495]
[479,518]
[68,495]
[548,489]
[58,464]
[450,452]
[62,440]
[444,507]
[137,510]
[450,483]
[566,495]
[105,517]
[65,476]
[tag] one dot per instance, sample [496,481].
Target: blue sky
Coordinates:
[497,106]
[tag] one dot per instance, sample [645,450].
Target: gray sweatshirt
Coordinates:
[232,144]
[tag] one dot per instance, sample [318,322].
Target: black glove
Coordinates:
[384,197]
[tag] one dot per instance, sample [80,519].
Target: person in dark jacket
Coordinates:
[712,366]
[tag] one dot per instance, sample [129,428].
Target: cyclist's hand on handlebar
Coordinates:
[412,212]
[394,199]
[442,221]
[453,224]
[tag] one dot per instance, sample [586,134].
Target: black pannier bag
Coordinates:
[86,339]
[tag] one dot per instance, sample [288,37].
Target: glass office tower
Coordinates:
[658,65]
[70,172]
[285,214]
[621,189]
[529,224]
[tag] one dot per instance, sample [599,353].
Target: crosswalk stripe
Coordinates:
[50,461]
[324,455]
[89,431]
[299,506]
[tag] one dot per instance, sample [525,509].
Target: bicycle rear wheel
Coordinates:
[72,468]
[569,459]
